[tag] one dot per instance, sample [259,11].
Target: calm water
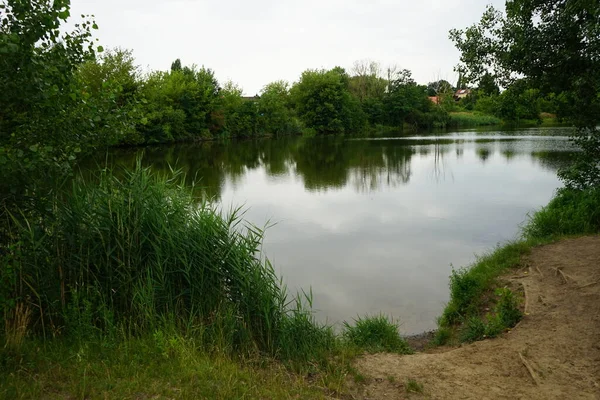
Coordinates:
[375,225]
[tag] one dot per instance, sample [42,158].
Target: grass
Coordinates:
[472,119]
[146,368]
[134,251]
[570,212]
[376,334]
[127,287]
[412,386]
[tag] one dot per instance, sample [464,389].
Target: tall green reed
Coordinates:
[133,249]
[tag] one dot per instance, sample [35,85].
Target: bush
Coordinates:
[442,336]
[376,333]
[474,330]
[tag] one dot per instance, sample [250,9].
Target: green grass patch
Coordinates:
[472,119]
[376,334]
[569,213]
[412,386]
[144,368]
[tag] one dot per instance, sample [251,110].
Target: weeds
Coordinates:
[412,386]
[468,285]
[442,337]
[376,333]
[16,322]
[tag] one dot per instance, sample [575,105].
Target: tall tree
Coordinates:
[555,44]
[323,101]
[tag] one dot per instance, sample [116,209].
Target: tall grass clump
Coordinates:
[376,333]
[570,212]
[135,252]
[468,285]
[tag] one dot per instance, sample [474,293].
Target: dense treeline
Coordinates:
[188,103]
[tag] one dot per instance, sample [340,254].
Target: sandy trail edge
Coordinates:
[559,340]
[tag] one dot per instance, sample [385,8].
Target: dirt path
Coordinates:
[554,353]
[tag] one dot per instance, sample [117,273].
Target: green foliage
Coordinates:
[180,105]
[412,386]
[467,119]
[442,337]
[555,45]
[406,102]
[488,86]
[473,330]
[507,308]
[376,333]
[274,108]
[324,103]
[570,212]
[47,116]
[467,286]
[505,316]
[164,364]
[136,251]
[440,88]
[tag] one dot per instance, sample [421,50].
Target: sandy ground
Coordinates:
[554,352]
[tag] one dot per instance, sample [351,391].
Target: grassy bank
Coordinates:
[471,120]
[476,288]
[124,284]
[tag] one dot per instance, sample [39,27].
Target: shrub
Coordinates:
[475,329]
[442,336]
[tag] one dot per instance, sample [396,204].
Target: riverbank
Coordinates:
[553,353]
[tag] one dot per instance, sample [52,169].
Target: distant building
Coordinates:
[435,99]
[461,94]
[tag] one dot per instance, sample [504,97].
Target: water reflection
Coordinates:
[336,162]
[374,224]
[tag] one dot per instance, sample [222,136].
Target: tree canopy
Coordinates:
[555,45]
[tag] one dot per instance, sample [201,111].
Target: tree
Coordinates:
[555,44]
[439,87]
[276,117]
[488,86]
[176,65]
[406,102]
[46,117]
[323,101]
[180,104]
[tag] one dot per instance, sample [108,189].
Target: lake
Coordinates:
[375,224]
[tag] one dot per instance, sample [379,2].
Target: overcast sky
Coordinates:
[256,42]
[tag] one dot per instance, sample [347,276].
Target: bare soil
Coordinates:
[553,353]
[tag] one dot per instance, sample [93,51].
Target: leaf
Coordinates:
[95,26]
[100,49]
